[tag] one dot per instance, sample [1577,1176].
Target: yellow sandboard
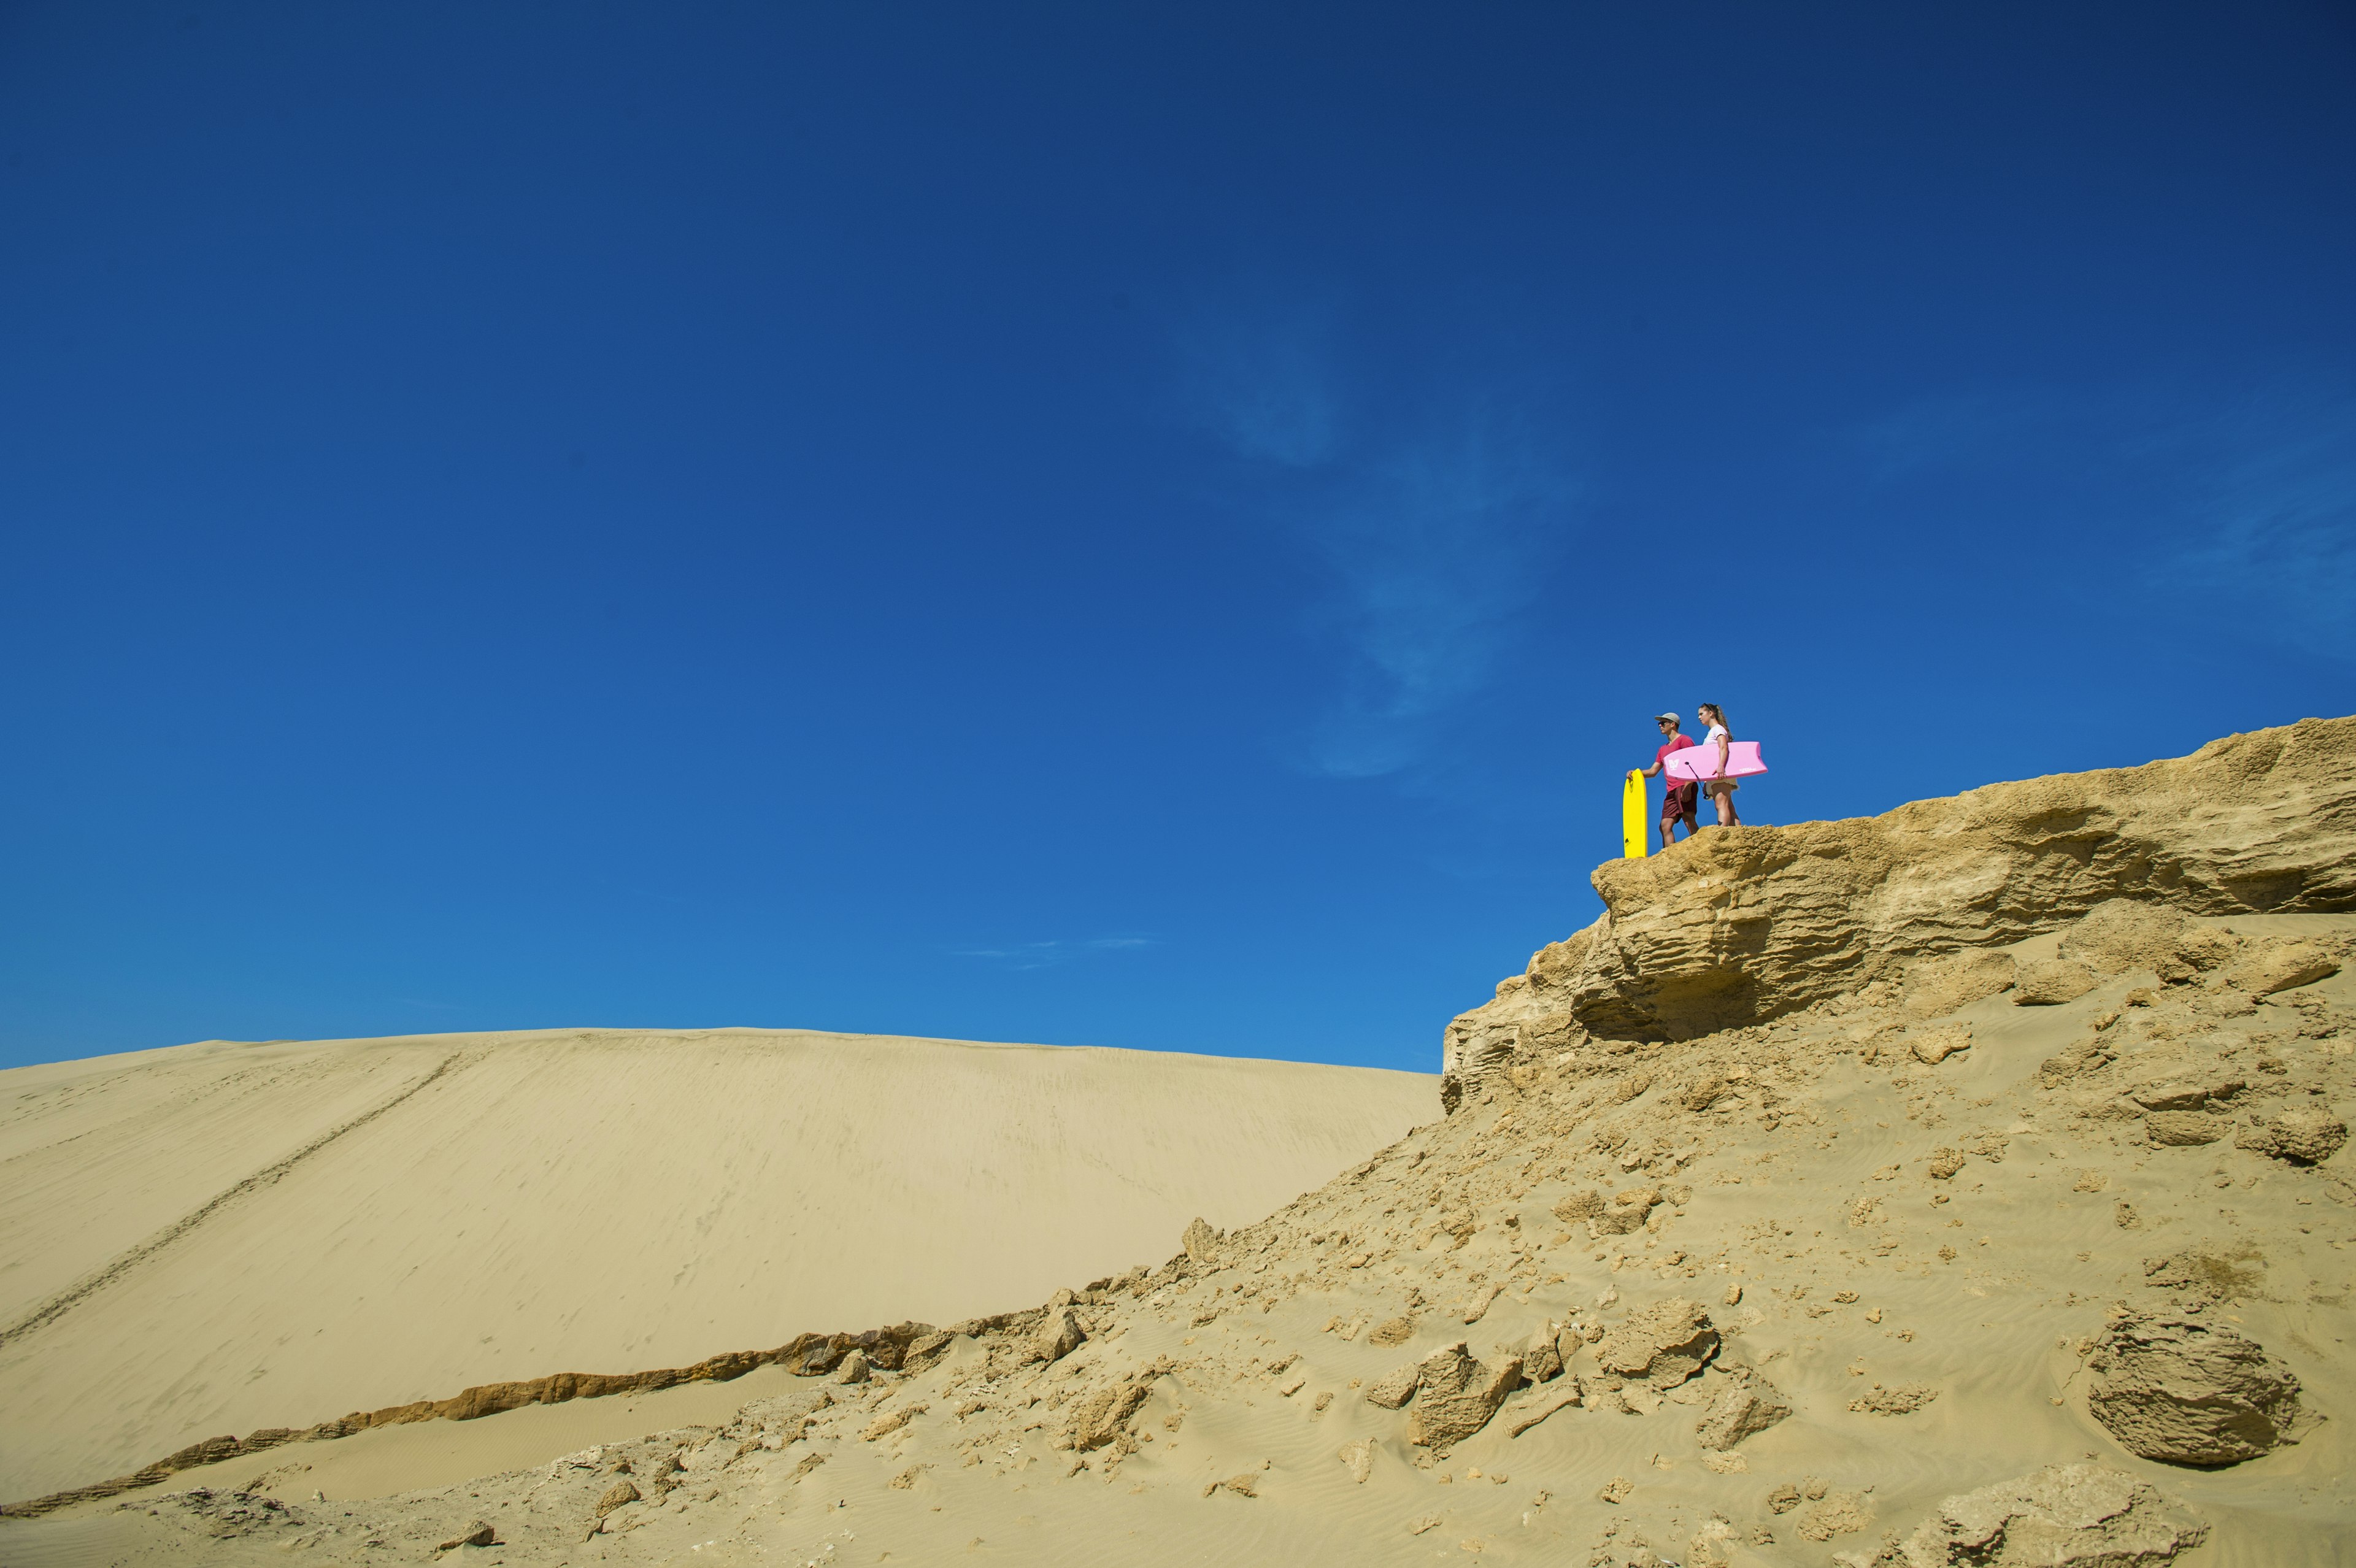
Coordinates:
[1632,816]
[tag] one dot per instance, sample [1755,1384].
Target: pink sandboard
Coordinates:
[1698,761]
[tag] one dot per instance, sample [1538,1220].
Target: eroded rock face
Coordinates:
[1662,1345]
[2190,1393]
[2064,1516]
[1737,926]
[1455,1396]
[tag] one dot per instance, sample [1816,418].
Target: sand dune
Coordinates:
[221,1237]
[1966,1187]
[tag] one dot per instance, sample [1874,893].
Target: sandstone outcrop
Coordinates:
[1738,925]
[2190,1393]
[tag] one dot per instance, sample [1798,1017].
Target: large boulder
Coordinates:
[1662,1345]
[1738,925]
[2189,1392]
[1456,1395]
[2064,1516]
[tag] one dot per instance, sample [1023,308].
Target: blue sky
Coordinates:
[1139,524]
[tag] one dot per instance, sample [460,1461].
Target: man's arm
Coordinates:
[1648,773]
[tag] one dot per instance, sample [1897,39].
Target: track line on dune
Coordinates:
[89,1285]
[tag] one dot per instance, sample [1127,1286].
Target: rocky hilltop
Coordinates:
[1740,926]
[1961,1186]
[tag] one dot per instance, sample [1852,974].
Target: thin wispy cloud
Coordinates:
[1433,532]
[1053,952]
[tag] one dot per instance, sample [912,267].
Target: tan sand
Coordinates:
[222,1237]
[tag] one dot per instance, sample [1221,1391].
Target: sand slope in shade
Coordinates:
[220,1237]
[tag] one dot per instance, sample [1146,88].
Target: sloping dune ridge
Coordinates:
[1961,1186]
[222,1237]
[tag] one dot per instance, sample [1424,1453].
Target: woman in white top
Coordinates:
[1720,790]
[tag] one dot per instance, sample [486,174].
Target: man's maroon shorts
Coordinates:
[1680,801]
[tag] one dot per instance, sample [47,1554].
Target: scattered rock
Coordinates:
[1904,1399]
[1542,1356]
[1725,1464]
[2064,1516]
[2215,1274]
[1456,1395]
[1358,1458]
[2052,982]
[1103,1417]
[2302,1138]
[887,1424]
[1245,1485]
[1944,1163]
[1749,1406]
[1058,1335]
[1940,1044]
[1396,1389]
[1393,1331]
[1625,1214]
[1529,1414]
[1573,1207]
[2179,1093]
[2190,1393]
[1663,1344]
[1200,1241]
[1618,1489]
[480,1534]
[1843,1513]
[1428,1521]
[2278,965]
[620,1492]
[2184,1129]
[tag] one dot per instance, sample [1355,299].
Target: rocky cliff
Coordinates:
[1737,927]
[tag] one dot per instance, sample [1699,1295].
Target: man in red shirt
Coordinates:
[1682,798]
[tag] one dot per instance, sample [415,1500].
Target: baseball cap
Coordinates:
[1670,717]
